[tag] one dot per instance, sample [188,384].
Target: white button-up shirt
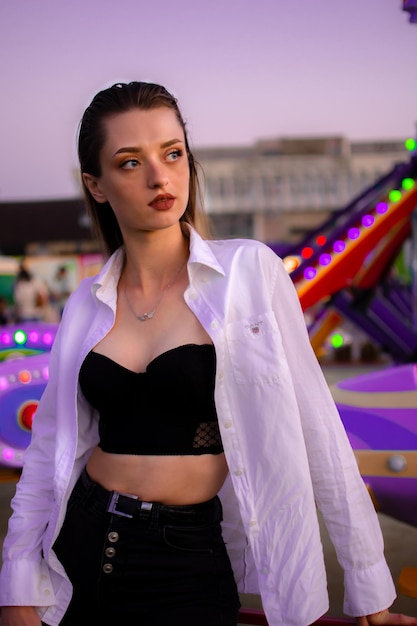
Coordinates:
[285,445]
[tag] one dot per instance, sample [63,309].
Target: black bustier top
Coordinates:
[166,410]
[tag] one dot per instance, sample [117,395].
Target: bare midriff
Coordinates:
[177,480]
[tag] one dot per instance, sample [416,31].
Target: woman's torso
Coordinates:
[132,344]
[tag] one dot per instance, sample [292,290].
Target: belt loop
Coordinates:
[145,511]
[153,515]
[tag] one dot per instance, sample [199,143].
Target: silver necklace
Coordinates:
[148,316]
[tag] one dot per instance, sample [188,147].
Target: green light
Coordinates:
[410,144]
[20,337]
[408,183]
[337,340]
[394,195]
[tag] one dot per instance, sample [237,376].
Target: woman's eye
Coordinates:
[130,164]
[174,155]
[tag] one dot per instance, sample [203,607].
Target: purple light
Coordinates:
[45,373]
[3,383]
[368,220]
[381,208]
[6,338]
[309,273]
[47,338]
[325,259]
[339,245]
[353,233]
[34,336]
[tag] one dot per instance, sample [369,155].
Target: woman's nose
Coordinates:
[157,177]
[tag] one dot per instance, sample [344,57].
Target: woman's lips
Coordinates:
[162,202]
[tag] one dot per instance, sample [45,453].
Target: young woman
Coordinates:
[185,412]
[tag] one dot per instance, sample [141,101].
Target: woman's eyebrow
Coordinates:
[138,149]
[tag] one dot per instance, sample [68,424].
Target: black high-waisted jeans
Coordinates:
[144,564]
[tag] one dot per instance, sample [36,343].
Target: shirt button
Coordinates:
[113,537]
[47,592]
[220,376]
[228,424]
[252,523]
[193,295]
[264,570]
[107,568]
[238,472]
[214,324]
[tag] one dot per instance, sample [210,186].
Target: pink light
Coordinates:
[8,454]
[381,208]
[6,338]
[45,373]
[3,383]
[47,338]
[34,336]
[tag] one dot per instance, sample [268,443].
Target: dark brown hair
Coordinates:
[120,98]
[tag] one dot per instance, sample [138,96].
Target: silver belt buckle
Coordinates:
[112,507]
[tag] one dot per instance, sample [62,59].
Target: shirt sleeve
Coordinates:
[339,490]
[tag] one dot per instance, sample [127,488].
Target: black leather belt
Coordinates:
[126,505]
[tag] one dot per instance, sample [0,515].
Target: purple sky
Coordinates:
[241,69]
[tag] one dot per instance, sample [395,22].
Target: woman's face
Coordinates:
[144,170]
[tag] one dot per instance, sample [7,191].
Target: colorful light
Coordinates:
[339,246]
[381,208]
[325,259]
[20,337]
[47,339]
[34,336]
[3,383]
[307,252]
[395,195]
[8,454]
[410,144]
[337,340]
[291,263]
[353,233]
[368,220]
[321,240]
[408,183]
[24,376]
[26,414]
[6,338]
[310,273]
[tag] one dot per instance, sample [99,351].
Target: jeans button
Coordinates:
[107,568]
[110,552]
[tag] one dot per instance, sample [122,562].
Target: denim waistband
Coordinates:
[128,506]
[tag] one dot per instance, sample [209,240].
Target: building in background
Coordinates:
[278,189]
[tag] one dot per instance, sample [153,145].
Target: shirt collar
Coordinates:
[201,253]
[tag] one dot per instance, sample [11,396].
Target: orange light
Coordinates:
[24,376]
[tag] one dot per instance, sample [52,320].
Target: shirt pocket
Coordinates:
[255,349]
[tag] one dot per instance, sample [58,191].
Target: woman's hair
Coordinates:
[120,98]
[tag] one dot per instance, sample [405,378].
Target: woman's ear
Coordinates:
[93,185]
